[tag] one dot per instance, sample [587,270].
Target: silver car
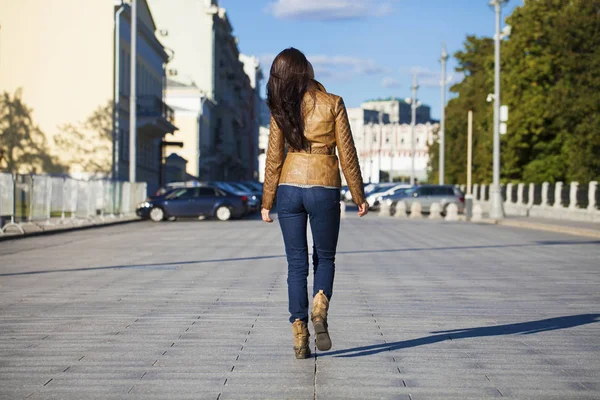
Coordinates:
[429,194]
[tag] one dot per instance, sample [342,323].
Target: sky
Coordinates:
[365,49]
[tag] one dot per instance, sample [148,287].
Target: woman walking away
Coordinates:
[311,123]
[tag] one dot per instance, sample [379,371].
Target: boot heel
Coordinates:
[323,340]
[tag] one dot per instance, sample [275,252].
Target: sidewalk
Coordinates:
[56,225]
[577,228]
[421,310]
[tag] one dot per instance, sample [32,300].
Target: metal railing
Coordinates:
[154,106]
[48,200]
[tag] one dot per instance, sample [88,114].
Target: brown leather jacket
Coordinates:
[326,127]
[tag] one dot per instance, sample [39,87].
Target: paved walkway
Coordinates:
[198,310]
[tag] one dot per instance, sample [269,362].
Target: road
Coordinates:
[198,310]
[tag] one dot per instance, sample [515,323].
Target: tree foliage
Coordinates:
[23,146]
[551,83]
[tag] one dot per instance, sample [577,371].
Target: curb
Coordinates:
[65,230]
[569,230]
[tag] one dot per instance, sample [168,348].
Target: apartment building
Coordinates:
[207,58]
[71,59]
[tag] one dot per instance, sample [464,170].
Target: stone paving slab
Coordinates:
[198,310]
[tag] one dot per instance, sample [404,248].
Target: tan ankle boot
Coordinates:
[301,336]
[319,320]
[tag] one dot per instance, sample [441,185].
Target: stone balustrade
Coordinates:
[546,200]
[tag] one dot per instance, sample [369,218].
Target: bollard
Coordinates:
[416,210]
[592,196]
[573,195]
[342,209]
[531,195]
[508,199]
[477,213]
[384,209]
[435,211]
[400,210]
[545,188]
[558,195]
[451,212]
[520,193]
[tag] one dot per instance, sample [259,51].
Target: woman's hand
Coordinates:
[265,215]
[363,209]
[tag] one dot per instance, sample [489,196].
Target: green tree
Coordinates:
[552,86]
[551,83]
[476,62]
[23,146]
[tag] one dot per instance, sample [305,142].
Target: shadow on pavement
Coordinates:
[170,265]
[523,328]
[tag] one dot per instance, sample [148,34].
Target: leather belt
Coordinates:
[324,150]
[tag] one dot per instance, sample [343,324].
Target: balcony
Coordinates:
[153,106]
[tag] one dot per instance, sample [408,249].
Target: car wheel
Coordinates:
[157,214]
[223,213]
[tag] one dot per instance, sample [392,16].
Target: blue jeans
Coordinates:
[321,206]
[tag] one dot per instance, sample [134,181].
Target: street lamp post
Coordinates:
[132,95]
[443,60]
[380,146]
[370,151]
[496,211]
[393,152]
[414,104]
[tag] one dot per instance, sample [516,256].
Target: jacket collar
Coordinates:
[318,86]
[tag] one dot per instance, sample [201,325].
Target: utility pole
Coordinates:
[393,152]
[371,151]
[380,146]
[414,105]
[469,196]
[117,96]
[132,95]
[496,211]
[443,60]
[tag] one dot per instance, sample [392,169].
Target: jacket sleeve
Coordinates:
[273,165]
[347,153]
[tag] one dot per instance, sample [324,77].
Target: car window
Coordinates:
[206,191]
[181,194]
[439,191]
[425,191]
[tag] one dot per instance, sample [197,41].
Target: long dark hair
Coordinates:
[291,75]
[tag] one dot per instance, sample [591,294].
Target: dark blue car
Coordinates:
[207,201]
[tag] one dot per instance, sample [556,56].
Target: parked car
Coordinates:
[256,185]
[169,187]
[343,191]
[254,197]
[374,199]
[429,194]
[369,188]
[204,200]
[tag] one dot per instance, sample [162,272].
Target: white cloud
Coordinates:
[429,78]
[329,9]
[346,64]
[337,67]
[389,82]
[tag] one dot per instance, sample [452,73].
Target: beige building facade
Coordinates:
[383,145]
[71,58]
[207,60]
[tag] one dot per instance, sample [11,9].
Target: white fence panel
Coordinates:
[40,198]
[7,195]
